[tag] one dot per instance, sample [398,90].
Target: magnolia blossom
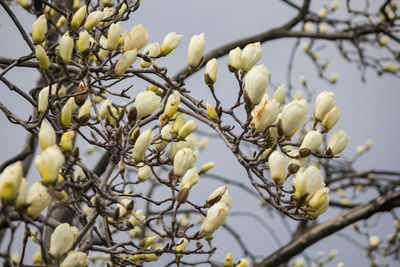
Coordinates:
[311,142]
[190,178]
[83,42]
[280,93]
[137,38]
[183,160]
[62,239]
[277,166]
[319,203]
[178,123]
[256,83]
[331,118]
[166,132]
[93,19]
[114,32]
[84,111]
[76,259]
[144,173]
[49,163]
[337,143]
[67,141]
[190,141]
[251,54]
[210,73]
[294,115]
[265,113]
[137,218]
[10,181]
[39,29]
[170,42]
[324,103]
[188,128]
[146,102]
[196,50]
[206,167]
[38,199]
[126,60]
[235,58]
[151,50]
[308,181]
[47,136]
[44,61]
[78,17]
[142,143]
[173,102]
[43,99]
[104,108]
[65,47]
[216,195]
[216,216]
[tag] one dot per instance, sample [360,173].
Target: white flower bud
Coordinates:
[216,216]
[84,111]
[104,109]
[374,241]
[136,38]
[47,136]
[67,141]
[144,173]
[190,178]
[211,70]
[135,221]
[280,94]
[251,54]
[235,58]
[142,143]
[93,19]
[39,29]
[265,113]
[10,181]
[277,166]
[188,128]
[206,167]
[43,99]
[170,42]
[66,112]
[337,143]
[83,42]
[65,48]
[49,163]
[335,5]
[125,61]
[293,116]
[309,181]
[190,141]
[38,199]
[322,12]
[62,239]
[216,195]
[43,59]
[76,259]
[146,102]
[151,50]
[256,83]
[173,102]
[331,118]
[114,32]
[183,220]
[319,203]
[324,103]
[312,141]
[166,133]
[78,17]
[182,246]
[196,50]
[183,160]
[323,28]
[309,27]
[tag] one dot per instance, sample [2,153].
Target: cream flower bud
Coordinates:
[125,61]
[65,48]
[324,103]
[235,58]
[188,128]
[114,32]
[311,142]
[331,118]
[333,254]
[104,109]
[178,122]
[256,83]
[93,19]
[144,173]
[265,113]
[170,42]
[374,241]
[66,112]
[210,74]
[67,141]
[78,17]
[83,42]
[137,219]
[216,216]
[190,141]
[43,99]
[10,181]
[142,143]
[244,262]
[228,260]
[277,167]
[43,59]
[323,28]
[319,198]
[307,181]
[146,102]
[38,199]
[337,143]
[183,160]
[21,196]
[309,27]
[76,259]
[84,111]
[280,94]
[190,178]
[322,12]
[139,37]
[49,163]
[251,54]
[335,5]
[196,50]
[173,102]
[182,244]
[39,29]
[62,239]
[150,50]
[206,167]
[166,133]
[61,21]
[389,67]
[216,195]
[294,115]
[47,136]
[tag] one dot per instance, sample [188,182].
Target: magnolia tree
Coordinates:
[71,214]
